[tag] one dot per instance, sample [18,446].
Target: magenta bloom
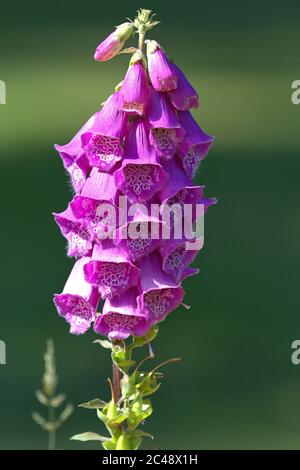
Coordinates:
[162,75]
[195,145]
[103,143]
[78,301]
[121,317]
[76,233]
[184,97]
[140,236]
[74,158]
[95,207]
[134,92]
[176,259]
[141,175]
[145,146]
[166,130]
[160,294]
[111,270]
[112,45]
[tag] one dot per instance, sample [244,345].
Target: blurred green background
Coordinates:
[235,387]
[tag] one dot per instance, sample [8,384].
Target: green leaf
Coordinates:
[104,343]
[93,404]
[58,400]
[89,436]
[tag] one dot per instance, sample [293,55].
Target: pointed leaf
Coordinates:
[93,404]
[104,343]
[89,436]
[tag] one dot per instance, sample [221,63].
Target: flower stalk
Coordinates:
[144,145]
[129,405]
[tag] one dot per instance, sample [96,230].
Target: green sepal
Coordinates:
[139,341]
[93,404]
[104,343]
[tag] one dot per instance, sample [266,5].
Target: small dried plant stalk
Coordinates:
[47,397]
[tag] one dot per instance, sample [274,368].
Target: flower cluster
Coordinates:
[143,144]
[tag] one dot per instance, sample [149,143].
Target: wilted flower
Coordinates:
[112,45]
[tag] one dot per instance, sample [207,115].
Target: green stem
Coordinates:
[142,34]
[51,434]
[116,383]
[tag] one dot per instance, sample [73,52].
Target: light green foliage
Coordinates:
[129,406]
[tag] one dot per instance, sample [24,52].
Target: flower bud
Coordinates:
[112,45]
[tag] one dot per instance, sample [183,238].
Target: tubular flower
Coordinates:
[112,45]
[184,96]
[76,233]
[160,294]
[145,146]
[166,130]
[121,317]
[141,174]
[162,75]
[111,270]
[134,92]
[195,145]
[95,206]
[103,143]
[74,158]
[79,300]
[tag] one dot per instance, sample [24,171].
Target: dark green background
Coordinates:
[236,386]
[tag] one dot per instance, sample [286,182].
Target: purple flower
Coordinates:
[166,130]
[76,233]
[112,45]
[111,270]
[121,317]
[181,189]
[103,143]
[184,97]
[160,294]
[144,145]
[195,145]
[176,258]
[78,301]
[140,236]
[162,75]
[141,176]
[95,207]
[134,92]
[74,158]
